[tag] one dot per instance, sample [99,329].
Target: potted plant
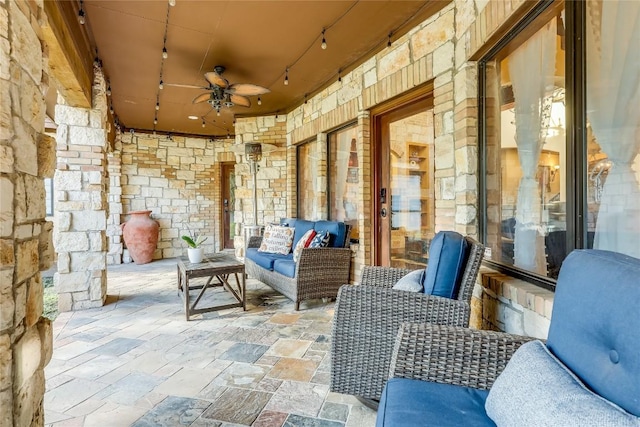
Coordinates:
[195,250]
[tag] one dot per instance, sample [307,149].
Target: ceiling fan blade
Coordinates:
[202,97]
[216,79]
[240,100]
[246,89]
[186,86]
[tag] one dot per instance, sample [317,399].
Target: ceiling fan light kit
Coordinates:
[222,94]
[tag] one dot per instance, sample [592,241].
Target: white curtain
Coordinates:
[613,109]
[532,70]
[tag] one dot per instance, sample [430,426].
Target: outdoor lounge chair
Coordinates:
[367,317]
[587,373]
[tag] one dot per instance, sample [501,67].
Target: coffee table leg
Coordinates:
[244,291]
[186,297]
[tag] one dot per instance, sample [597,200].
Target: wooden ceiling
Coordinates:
[255,40]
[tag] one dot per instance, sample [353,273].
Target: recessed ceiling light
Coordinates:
[193,117]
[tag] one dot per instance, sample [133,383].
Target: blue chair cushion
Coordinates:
[407,402]
[595,324]
[448,255]
[285,267]
[265,259]
[337,230]
[537,389]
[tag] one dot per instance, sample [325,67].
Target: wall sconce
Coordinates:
[555,169]
[597,175]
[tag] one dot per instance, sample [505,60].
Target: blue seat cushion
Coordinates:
[595,324]
[407,402]
[265,259]
[448,255]
[337,231]
[285,267]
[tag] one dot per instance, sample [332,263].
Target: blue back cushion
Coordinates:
[447,258]
[301,227]
[337,230]
[595,326]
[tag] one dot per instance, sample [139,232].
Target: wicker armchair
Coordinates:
[368,317]
[586,373]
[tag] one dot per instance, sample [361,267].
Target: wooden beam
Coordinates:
[70,57]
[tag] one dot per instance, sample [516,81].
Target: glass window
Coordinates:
[613,126]
[526,150]
[311,187]
[344,178]
[540,202]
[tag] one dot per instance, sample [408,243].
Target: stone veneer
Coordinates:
[80,219]
[175,177]
[26,158]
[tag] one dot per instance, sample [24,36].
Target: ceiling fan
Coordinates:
[222,94]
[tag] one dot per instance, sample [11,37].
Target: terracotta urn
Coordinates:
[140,234]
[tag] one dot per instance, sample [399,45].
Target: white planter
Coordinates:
[195,255]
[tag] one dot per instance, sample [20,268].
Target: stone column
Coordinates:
[114,232]
[25,336]
[80,220]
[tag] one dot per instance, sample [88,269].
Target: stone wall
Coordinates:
[272,178]
[80,219]
[178,179]
[26,158]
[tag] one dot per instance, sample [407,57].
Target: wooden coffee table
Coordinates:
[219,266]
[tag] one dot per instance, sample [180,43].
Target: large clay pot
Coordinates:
[140,235]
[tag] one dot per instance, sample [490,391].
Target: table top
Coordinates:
[211,262]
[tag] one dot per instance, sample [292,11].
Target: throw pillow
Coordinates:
[276,239]
[321,240]
[411,282]
[537,389]
[304,242]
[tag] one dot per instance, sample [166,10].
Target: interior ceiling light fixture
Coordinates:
[286,76]
[323,45]
[172,2]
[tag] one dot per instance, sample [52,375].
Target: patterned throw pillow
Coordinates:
[321,240]
[277,239]
[304,242]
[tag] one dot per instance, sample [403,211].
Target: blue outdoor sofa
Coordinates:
[319,272]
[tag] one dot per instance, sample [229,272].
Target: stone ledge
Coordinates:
[527,295]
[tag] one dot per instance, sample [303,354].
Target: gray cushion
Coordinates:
[536,389]
[412,282]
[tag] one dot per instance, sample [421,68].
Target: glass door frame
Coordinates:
[402,106]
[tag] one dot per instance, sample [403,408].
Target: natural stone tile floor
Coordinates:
[138,362]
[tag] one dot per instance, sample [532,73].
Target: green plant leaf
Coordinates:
[189,241]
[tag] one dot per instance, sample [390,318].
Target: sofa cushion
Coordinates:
[448,254]
[408,402]
[320,240]
[411,282]
[596,319]
[304,242]
[286,267]
[337,231]
[537,389]
[265,259]
[277,239]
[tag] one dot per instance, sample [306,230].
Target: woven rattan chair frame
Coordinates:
[368,317]
[452,355]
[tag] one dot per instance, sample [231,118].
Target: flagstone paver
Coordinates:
[138,362]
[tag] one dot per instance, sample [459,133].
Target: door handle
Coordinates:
[383,212]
